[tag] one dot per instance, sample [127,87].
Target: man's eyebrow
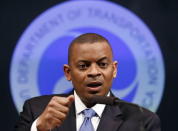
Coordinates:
[103,58]
[84,61]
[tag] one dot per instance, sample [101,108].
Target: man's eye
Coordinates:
[82,66]
[103,65]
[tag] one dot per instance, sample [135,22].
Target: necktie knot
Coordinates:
[89,113]
[87,124]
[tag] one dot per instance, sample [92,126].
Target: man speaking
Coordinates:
[89,107]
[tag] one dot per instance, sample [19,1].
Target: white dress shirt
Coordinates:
[79,107]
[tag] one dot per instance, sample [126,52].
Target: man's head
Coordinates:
[90,66]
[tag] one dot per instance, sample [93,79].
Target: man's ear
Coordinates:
[67,72]
[115,63]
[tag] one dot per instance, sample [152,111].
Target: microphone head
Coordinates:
[103,100]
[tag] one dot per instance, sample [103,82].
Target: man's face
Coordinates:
[91,69]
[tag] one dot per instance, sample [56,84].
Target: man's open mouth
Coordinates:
[94,84]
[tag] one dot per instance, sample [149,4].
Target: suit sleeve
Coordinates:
[153,123]
[25,120]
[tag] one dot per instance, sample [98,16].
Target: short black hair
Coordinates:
[86,38]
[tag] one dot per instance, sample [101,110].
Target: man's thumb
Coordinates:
[70,99]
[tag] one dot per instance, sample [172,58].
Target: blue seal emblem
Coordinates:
[41,51]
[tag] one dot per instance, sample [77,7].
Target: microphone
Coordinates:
[108,100]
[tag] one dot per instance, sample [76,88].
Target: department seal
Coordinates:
[36,67]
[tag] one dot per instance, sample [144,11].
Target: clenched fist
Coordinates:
[54,113]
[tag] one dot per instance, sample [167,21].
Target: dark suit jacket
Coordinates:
[120,117]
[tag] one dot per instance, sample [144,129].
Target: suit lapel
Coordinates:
[111,119]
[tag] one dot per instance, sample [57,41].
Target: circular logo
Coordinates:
[41,52]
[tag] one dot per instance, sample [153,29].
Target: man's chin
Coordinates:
[93,94]
[88,102]
[87,98]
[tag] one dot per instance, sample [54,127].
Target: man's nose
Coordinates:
[94,71]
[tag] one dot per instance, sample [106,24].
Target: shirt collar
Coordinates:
[80,106]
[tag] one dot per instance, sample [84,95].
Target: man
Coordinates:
[91,70]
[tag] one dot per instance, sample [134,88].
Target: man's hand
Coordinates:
[54,113]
